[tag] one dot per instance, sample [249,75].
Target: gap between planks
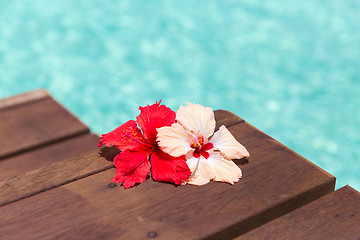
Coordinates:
[333,216]
[38,158]
[34,120]
[63,172]
[52,176]
[214,210]
[44,145]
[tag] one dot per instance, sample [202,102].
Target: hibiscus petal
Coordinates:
[152,117]
[225,170]
[126,136]
[202,172]
[166,168]
[173,140]
[132,166]
[224,141]
[195,117]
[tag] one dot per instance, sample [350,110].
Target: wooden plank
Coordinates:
[17,191]
[275,181]
[23,98]
[28,125]
[226,118]
[40,157]
[334,216]
[52,176]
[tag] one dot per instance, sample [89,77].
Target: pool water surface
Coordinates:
[292,68]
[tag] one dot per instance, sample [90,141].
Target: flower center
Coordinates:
[196,141]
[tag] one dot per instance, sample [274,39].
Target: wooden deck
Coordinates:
[56,186]
[35,131]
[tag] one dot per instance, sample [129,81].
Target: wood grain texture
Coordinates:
[334,216]
[276,176]
[40,157]
[35,124]
[275,181]
[226,118]
[52,176]
[23,98]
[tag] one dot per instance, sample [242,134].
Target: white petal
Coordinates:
[172,140]
[224,141]
[193,163]
[195,117]
[225,170]
[201,171]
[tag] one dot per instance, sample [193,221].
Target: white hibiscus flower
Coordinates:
[209,158]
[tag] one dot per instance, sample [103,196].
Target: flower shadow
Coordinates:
[241,161]
[109,153]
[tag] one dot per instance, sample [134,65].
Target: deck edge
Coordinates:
[23,98]
[277,211]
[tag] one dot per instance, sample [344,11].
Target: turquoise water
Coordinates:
[291,68]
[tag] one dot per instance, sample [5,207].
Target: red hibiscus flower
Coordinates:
[139,148]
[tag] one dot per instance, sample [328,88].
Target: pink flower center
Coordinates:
[200,148]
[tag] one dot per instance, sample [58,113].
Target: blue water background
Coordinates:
[291,68]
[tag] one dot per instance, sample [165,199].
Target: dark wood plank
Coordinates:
[226,118]
[28,125]
[40,157]
[334,216]
[17,191]
[275,181]
[23,98]
[52,176]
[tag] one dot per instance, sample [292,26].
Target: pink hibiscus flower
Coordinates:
[140,148]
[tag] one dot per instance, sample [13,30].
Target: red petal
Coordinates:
[204,150]
[132,166]
[166,168]
[196,154]
[207,146]
[205,154]
[152,117]
[124,137]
